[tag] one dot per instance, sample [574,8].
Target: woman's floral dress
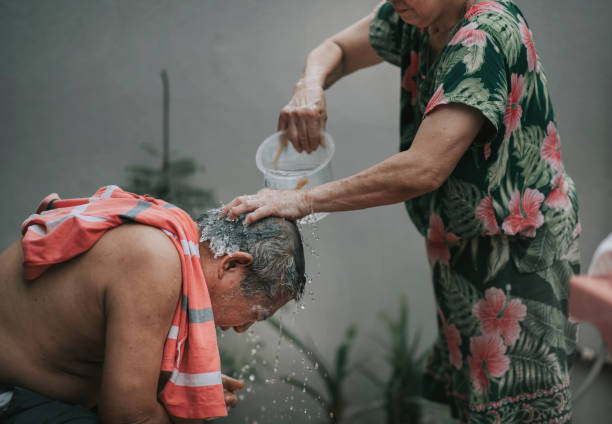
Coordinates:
[501,233]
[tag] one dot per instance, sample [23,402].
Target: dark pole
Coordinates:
[166,132]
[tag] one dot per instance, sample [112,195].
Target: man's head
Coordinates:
[251,271]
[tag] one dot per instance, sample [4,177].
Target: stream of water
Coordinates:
[296,402]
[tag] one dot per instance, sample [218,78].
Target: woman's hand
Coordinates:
[304,117]
[291,204]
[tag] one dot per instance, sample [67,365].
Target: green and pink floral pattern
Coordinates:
[501,233]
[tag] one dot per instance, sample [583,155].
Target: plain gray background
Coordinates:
[80,91]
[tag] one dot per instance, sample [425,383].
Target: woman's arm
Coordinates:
[305,115]
[344,53]
[442,139]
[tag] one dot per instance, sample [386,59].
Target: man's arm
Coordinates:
[143,281]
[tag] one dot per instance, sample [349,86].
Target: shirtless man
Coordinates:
[88,334]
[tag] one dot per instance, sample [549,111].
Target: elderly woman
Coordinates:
[480,173]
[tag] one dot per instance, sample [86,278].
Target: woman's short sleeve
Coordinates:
[473,71]
[387,33]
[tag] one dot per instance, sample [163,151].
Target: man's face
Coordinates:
[235,309]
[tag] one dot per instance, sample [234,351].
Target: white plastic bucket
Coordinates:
[292,169]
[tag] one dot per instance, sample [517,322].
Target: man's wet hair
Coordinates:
[278,267]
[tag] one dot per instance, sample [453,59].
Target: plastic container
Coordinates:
[294,170]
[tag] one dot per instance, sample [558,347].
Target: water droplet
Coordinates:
[291,408]
[252,377]
[241,397]
[253,351]
[249,389]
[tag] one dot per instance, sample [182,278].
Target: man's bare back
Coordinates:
[53,329]
[94,330]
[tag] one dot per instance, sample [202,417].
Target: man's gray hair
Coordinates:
[278,267]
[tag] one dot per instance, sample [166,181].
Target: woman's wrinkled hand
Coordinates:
[290,204]
[304,117]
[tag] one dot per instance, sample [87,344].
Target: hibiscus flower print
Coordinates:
[525,215]
[484,211]
[558,198]
[498,317]
[487,359]
[469,36]
[551,147]
[453,341]
[436,100]
[410,74]
[512,117]
[483,7]
[436,243]
[527,38]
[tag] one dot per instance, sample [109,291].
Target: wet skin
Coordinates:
[91,331]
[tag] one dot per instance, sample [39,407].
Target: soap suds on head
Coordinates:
[274,243]
[215,230]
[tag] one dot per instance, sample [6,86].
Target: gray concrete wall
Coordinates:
[81,90]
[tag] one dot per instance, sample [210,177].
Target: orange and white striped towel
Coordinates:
[64,228]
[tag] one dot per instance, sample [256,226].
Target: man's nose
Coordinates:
[243,328]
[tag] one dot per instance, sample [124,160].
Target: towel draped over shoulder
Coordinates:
[64,228]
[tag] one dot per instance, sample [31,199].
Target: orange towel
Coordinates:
[63,229]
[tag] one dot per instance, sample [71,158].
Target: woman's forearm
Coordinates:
[401,177]
[442,139]
[323,65]
[340,55]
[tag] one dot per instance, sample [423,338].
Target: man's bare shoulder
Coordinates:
[137,258]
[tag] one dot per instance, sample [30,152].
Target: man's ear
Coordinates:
[234,260]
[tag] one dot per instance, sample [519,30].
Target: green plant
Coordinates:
[332,400]
[169,182]
[402,390]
